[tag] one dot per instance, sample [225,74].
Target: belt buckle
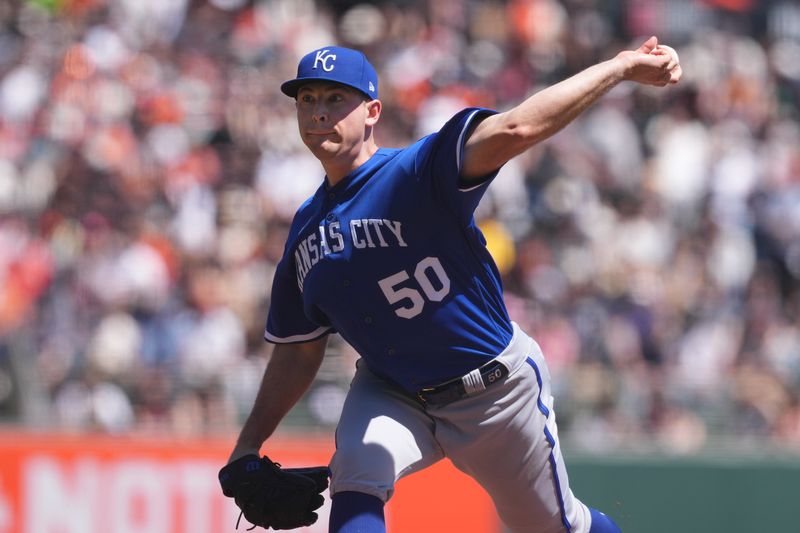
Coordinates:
[420,393]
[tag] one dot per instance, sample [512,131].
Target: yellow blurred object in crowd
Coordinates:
[499,243]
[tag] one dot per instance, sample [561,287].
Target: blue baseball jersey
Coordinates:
[391,258]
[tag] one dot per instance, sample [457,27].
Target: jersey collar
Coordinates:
[358,175]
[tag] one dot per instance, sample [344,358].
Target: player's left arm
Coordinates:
[498,138]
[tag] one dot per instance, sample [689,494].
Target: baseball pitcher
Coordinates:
[387,254]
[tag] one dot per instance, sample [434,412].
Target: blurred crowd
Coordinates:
[150,167]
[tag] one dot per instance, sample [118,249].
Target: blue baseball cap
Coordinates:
[336,64]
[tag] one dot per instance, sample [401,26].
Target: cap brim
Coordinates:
[290,88]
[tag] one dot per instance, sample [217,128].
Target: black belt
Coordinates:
[454,389]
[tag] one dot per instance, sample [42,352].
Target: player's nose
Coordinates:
[320,114]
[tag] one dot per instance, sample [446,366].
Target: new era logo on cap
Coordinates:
[337,64]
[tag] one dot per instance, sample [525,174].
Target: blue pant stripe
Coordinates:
[542,407]
[552,441]
[559,493]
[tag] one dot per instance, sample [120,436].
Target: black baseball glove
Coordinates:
[273,497]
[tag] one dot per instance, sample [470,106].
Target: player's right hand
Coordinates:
[651,64]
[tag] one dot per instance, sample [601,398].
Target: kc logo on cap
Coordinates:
[322,57]
[338,65]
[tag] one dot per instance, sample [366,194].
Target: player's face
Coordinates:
[333,119]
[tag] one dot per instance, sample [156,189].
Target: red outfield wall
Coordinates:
[98,484]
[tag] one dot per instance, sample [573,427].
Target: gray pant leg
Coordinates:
[503,438]
[382,436]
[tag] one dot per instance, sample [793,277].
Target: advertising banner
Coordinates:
[100,484]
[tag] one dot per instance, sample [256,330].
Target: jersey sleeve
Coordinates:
[287,322]
[440,159]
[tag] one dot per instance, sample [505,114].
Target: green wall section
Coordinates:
[691,495]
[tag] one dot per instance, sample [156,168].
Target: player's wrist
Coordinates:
[240,451]
[622,66]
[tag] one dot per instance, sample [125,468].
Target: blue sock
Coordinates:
[356,512]
[601,523]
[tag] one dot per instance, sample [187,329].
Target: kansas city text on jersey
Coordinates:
[364,233]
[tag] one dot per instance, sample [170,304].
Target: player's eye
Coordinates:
[335,98]
[306,99]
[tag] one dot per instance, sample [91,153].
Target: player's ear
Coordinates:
[373,112]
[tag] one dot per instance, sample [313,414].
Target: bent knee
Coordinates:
[369,469]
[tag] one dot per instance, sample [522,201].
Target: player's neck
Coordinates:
[337,169]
